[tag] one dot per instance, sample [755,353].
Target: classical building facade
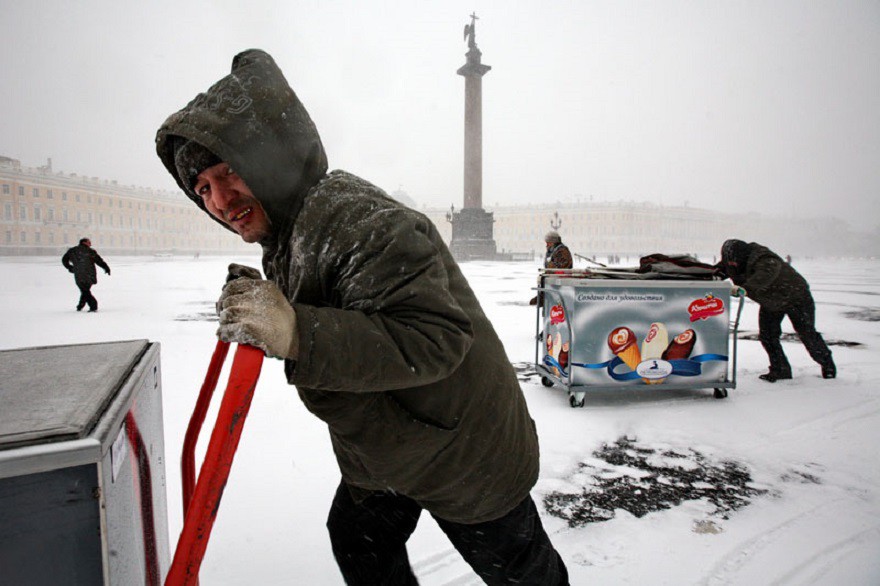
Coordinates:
[45,212]
[629,230]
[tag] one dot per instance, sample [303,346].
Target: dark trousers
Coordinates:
[803,317]
[85,296]
[369,542]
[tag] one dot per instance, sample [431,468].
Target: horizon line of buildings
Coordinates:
[45,212]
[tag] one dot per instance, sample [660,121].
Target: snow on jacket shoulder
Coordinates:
[379,267]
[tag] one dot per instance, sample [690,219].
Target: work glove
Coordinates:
[256,312]
[107,271]
[236,271]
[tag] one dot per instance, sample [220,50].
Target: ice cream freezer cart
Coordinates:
[82,471]
[618,333]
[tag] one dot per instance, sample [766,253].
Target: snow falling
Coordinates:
[778,483]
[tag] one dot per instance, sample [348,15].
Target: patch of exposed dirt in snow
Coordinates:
[641,480]
[866,314]
[206,312]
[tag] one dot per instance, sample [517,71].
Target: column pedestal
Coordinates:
[472,235]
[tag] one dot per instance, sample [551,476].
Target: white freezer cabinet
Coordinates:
[82,466]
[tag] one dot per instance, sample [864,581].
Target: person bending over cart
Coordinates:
[780,291]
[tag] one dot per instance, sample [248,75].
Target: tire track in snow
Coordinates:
[726,569]
[840,416]
[814,570]
[836,418]
[444,561]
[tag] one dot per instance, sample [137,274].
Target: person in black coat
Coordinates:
[81,260]
[780,291]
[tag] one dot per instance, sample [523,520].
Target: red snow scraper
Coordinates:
[201,499]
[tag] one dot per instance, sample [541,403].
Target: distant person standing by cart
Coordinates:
[780,291]
[558,256]
[81,260]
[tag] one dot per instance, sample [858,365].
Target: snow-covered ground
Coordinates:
[810,445]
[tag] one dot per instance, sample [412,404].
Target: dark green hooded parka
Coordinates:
[395,352]
[768,280]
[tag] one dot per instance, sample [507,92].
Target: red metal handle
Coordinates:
[188,458]
[204,502]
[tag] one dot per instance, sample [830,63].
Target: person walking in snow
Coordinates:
[81,260]
[780,291]
[379,331]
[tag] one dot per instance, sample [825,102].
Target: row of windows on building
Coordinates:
[154,223]
[97,199]
[110,240]
[529,230]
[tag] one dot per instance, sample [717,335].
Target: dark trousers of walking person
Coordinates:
[86,297]
[369,543]
[803,317]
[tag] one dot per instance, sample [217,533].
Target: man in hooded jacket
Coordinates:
[81,260]
[379,331]
[780,291]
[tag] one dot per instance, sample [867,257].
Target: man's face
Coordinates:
[87,242]
[228,198]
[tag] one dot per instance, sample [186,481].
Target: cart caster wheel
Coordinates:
[546,381]
[575,402]
[720,393]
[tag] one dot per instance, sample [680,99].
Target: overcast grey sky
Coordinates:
[737,105]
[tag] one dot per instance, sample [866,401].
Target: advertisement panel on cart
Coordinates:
[631,333]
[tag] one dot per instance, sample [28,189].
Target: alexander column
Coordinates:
[472,226]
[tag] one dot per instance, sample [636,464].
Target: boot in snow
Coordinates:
[829,371]
[773,376]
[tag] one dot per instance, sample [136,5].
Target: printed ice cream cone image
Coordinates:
[563,356]
[622,342]
[655,342]
[681,346]
[654,345]
[557,347]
